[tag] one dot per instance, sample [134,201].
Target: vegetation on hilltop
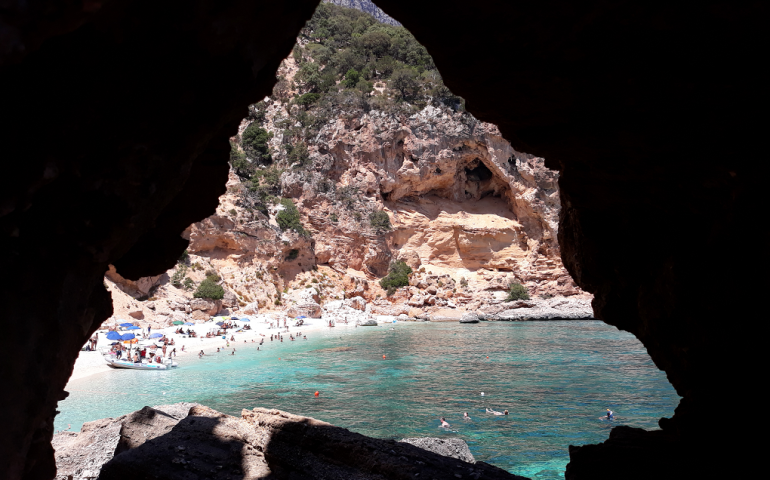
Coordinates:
[347,64]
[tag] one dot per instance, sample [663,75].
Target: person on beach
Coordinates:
[233,352]
[183,348]
[465,416]
[201,354]
[444,423]
[494,412]
[217,349]
[173,353]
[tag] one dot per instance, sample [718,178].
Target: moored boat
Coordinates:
[117,363]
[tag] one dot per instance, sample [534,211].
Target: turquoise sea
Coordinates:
[555,378]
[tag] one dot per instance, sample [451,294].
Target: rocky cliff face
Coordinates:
[368,7]
[468,214]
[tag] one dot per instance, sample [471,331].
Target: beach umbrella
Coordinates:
[220,323]
[301,316]
[245,319]
[115,343]
[133,327]
[156,335]
[127,336]
[113,335]
[126,324]
[178,322]
[189,323]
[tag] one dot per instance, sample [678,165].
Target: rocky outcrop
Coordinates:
[550,309]
[447,447]
[175,441]
[367,6]
[81,455]
[308,309]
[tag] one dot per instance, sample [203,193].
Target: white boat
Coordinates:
[117,363]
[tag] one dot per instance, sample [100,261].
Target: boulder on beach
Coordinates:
[369,323]
[469,318]
[356,302]
[308,309]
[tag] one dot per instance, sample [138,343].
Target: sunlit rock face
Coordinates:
[115,136]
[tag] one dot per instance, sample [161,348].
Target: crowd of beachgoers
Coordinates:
[220,334]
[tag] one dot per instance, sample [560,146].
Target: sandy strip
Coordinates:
[91,363]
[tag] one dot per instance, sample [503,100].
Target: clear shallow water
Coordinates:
[555,378]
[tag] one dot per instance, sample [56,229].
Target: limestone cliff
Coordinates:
[468,214]
[382,165]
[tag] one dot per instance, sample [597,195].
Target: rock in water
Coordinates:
[448,447]
[469,318]
[369,323]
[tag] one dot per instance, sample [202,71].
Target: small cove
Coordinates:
[555,378]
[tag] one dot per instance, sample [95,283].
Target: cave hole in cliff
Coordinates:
[477,171]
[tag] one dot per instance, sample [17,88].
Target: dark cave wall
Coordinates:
[650,112]
[114,140]
[116,117]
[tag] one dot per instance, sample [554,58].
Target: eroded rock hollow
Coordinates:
[116,119]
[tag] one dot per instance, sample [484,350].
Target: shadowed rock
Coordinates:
[151,443]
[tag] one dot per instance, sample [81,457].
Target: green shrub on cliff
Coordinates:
[517,291]
[398,276]
[210,290]
[254,140]
[379,220]
[288,218]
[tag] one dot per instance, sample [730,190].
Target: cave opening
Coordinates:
[477,171]
[604,269]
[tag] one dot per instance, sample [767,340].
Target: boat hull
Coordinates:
[136,366]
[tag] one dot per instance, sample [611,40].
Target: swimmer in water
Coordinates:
[465,416]
[494,412]
[610,414]
[444,424]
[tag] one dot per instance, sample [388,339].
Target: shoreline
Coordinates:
[92,363]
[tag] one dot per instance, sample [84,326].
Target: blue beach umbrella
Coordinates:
[133,327]
[113,335]
[301,316]
[126,324]
[244,319]
[156,335]
[127,336]
[189,323]
[220,323]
